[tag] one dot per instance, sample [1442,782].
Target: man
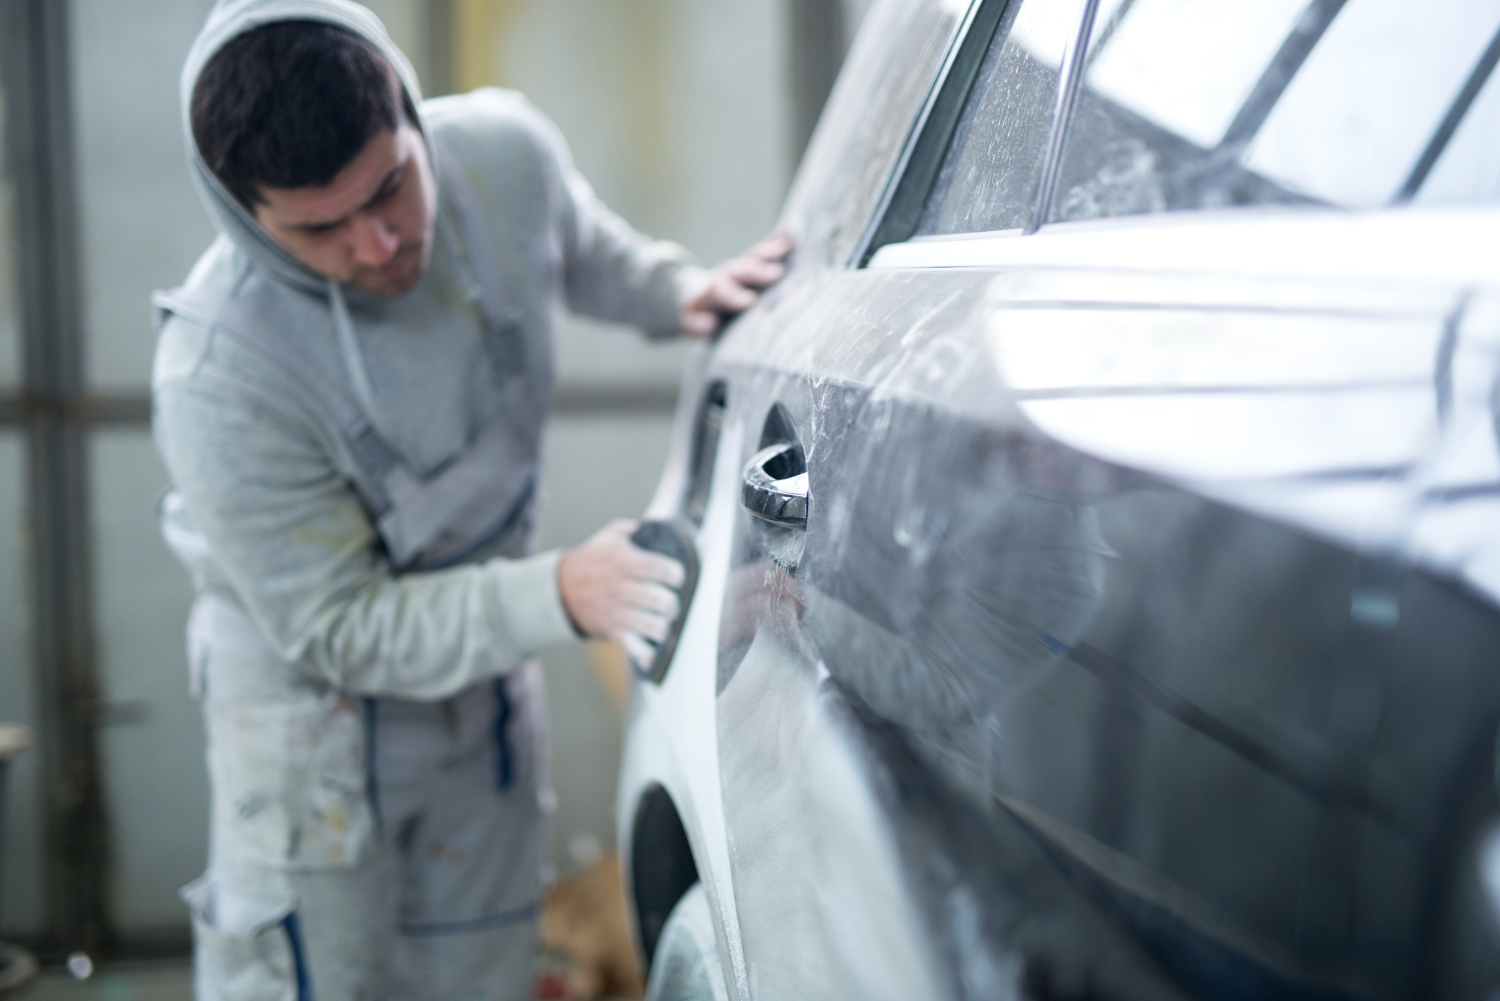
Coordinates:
[349,393]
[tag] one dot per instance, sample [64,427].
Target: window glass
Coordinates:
[10,309]
[1359,114]
[1164,81]
[1222,48]
[1469,168]
[1203,104]
[989,173]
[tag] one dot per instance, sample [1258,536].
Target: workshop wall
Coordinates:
[141,229]
[676,111]
[10,334]
[21,835]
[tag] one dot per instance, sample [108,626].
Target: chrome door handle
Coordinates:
[775,486]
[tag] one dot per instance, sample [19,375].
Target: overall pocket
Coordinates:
[286,754]
[289,782]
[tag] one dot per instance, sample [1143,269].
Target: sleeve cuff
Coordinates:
[530,601]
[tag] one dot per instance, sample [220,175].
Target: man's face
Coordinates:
[371,226]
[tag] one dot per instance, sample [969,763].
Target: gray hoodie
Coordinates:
[269,510]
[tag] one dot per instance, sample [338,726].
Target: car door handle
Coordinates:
[775,486]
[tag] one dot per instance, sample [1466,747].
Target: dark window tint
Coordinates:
[1198,104]
[989,173]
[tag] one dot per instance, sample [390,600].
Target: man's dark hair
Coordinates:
[290,104]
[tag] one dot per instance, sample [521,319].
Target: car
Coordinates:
[1096,537]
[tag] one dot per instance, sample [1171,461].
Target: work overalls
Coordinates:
[378,847]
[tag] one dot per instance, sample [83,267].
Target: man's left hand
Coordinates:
[735,285]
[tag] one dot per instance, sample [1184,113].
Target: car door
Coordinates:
[1073,641]
[854,821]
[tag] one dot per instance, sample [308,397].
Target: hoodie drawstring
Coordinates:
[354,360]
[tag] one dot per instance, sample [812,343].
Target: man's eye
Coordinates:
[389,189]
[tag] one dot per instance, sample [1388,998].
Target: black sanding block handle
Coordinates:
[674,539]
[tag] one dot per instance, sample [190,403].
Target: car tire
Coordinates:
[686,966]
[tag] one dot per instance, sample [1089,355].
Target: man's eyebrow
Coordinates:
[380,192]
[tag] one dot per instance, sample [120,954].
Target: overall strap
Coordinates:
[520,363]
[375,457]
[476,238]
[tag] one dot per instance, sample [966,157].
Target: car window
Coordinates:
[1357,116]
[1199,104]
[865,125]
[1468,169]
[1140,61]
[989,173]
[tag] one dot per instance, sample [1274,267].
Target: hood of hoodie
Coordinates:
[228,20]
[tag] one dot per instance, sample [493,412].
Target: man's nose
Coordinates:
[375,241]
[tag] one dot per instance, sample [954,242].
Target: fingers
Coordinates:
[632,619]
[727,295]
[724,296]
[643,623]
[648,566]
[754,272]
[773,248]
[610,586]
[650,598]
[644,610]
[733,286]
[637,649]
[700,323]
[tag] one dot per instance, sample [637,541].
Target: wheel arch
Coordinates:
[662,867]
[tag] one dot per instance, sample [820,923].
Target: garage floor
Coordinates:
[162,981]
[167,980]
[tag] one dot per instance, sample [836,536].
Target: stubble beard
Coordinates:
[410,263]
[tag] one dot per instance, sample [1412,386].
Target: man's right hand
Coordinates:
[613,590]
